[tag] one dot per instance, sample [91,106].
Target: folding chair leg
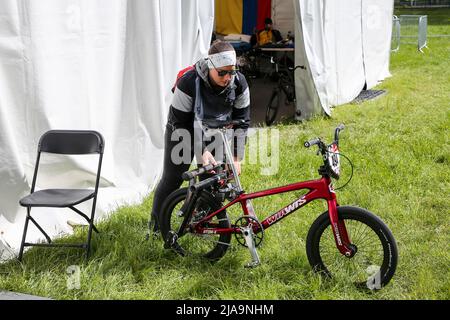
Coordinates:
[25,229]
[85,217]
[91,227]
[88,245]
[41,230]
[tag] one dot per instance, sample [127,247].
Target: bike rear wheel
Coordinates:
[376,256]
[210,246]
[272,107]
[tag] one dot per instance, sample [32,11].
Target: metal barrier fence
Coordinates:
[409,29]
[395,39]
[413,30]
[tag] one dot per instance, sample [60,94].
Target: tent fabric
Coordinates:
[105,65]
[264,11]
[343,55]
[377,27]
[241,16]
[254,12]
[283,16]
[229,16]
[345,47]
[307,99]
[250,15]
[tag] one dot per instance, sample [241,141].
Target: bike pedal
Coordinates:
[171,243]
[178,249]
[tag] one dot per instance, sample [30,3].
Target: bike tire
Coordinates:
[210,249]
[377,264]
[272,107]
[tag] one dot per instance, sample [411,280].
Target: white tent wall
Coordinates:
[283,16]
[344,45]
[307,81]
[105,65]
[377,33]
[344,66]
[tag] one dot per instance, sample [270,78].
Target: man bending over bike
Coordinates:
[213,90]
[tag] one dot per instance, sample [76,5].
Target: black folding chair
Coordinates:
[67,142]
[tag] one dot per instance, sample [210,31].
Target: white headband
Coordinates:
[222,59]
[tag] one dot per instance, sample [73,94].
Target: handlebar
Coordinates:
[336,132]
[319,142]
[208,182]
[217,124]
[296,67]
[188,175]
[330,154]
[311,142]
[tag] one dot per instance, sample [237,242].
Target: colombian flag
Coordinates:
[241,16]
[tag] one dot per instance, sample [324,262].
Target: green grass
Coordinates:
[399,145]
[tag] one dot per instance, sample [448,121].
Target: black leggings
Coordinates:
[171,178]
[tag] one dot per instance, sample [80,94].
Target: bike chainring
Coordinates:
[258,230]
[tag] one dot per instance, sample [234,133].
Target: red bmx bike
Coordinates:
[345,241]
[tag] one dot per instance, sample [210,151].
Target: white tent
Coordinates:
[345,46]
[105,65]
[108,65]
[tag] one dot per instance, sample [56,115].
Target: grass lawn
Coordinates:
[399,145]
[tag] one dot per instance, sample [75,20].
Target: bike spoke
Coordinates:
[358,231]
[367,240]
[369,255]
[198,244]
[209,238]
[362,234]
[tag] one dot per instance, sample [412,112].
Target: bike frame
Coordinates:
[318,189]
[285,80]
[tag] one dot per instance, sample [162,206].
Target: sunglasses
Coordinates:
[223,73]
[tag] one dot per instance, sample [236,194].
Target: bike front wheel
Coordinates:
[210,246]
[375,260]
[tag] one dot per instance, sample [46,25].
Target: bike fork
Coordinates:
[341,237]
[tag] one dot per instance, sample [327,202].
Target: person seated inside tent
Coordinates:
[268,35]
